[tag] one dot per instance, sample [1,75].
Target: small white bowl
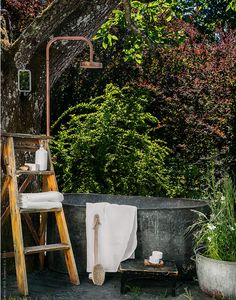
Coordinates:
[32,167]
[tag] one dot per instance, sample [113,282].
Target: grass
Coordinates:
[217,232]
[188,294]
[135,290]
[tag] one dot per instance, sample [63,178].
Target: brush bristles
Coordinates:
[98,275]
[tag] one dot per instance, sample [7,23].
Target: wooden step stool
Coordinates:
[133,269]
[25,142]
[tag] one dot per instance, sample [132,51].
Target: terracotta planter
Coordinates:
[216,278]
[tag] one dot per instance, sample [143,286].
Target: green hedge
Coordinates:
[107,147]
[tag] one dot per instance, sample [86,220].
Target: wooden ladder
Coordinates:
[25,142]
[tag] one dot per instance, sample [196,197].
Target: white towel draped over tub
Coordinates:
[44,200]
[117,238]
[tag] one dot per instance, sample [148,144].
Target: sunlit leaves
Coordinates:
[151,19]
[232,5]
[111,150]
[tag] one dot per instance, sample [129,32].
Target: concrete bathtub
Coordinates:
[162,225]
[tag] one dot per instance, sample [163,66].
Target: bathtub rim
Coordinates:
[198,202]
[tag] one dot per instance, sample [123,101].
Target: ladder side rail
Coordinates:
[16,220]
[5,188]
[62,228]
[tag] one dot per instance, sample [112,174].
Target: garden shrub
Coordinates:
[194,100]
[217,231]
[191,89]
[194,93]
[110,149]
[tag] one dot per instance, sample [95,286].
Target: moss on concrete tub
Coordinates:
[162,225]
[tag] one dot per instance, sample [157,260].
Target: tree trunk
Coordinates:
[21,113]
[63,17]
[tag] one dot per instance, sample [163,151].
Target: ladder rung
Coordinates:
[27,210]
[19,172]
[26,136]
[43,248]
[7,254]
[24,147]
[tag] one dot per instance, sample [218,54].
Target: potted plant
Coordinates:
[215,237]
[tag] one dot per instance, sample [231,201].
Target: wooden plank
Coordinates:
[5,215]
[4,154]
[52,183]
[33,211]
[47,248]
[42,237]
[7,254]
[137,266]
[20,172]
[26,148]
[26,136]
[16,223]
[27,144]
[69,256]
[5,189]
[37,249]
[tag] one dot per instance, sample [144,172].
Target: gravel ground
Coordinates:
[48,285]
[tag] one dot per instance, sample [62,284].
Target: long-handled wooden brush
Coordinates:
[98,273]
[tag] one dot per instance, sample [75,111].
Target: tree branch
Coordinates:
[131,26]
[87,24]
[61,17]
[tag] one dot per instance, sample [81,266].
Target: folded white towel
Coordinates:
[39,205]
[117,239]
[41,197]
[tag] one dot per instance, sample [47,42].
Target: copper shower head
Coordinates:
[85,64]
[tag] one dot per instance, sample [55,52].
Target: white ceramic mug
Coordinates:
[157,254]
[154,260]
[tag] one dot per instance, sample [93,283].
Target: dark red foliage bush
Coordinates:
[194,90]
[23,12]
[29,8]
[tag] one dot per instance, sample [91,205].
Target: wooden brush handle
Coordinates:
[95,227]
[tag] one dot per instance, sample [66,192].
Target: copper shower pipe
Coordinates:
[90,64]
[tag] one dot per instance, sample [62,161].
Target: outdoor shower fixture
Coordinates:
[85,64]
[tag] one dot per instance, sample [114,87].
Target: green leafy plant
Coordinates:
[232,5]
[151,20]
[137,291]
[188,294]
[217,232]
[111,148]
